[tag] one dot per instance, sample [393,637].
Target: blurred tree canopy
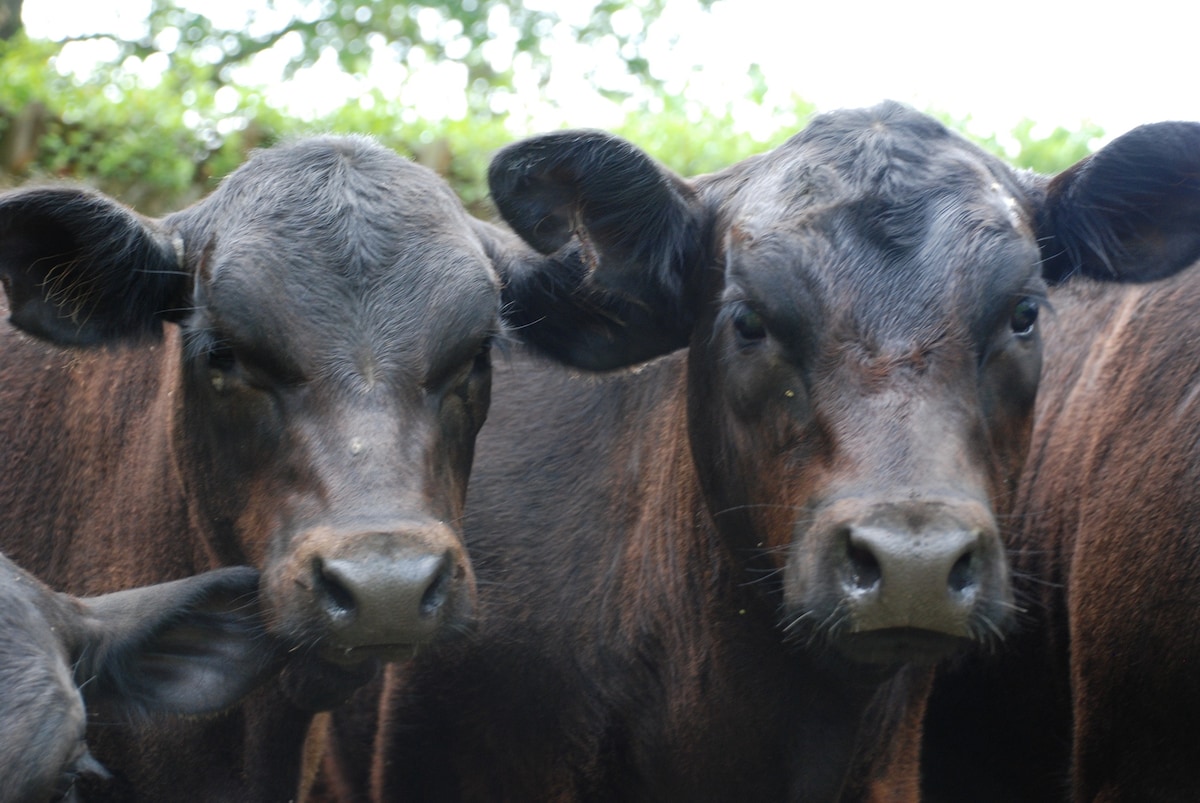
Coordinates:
[165,114]
[481,35]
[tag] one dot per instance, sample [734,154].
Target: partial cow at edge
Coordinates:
[726,575]
[288,374]
[1095,697]
[190,647]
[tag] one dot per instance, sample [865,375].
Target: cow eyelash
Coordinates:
[208,345]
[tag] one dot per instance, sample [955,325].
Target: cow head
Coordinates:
[327,372]
[862,311]
[194,646]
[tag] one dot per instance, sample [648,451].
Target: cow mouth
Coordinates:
[900,645]
[352,656]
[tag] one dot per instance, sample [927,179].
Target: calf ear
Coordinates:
[192,646]
[79,268]
[617,239]
[1129,212]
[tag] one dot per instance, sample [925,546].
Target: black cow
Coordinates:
[724,575]
[1096,696]
[190,647]
[288,374]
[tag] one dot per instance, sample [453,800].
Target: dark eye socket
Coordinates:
[749,325]
[459,374]
[483,357]
[221,357]
[1024,316]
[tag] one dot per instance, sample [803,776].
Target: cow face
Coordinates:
[329,371]
[862,382]
[333,433]
[861,307]
[190,647]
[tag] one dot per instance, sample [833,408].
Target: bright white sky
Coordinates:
[1058,62]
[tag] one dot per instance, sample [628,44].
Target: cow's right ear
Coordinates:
[192,646]
[617,238]
[80,268]
[1128,213]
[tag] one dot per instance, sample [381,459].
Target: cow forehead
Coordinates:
[841,274]
[882,224]
[404,323]
[890,156]
[342,201]
[337,237]
[320,264]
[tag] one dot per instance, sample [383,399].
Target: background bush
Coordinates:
[160,144]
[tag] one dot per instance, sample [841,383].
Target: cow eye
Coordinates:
[483,357]
[221,357]
[1024,316]
[221,362]
[749,325]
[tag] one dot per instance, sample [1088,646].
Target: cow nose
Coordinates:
[934,572]
[355,595]
[372,592]
[945,564]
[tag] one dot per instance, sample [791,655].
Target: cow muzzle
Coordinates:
[911,581]
[373,593]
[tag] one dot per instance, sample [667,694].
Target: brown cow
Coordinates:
[1097,697]
[291,376]
[723,576]
[189,647]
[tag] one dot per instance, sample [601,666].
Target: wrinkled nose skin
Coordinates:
[916,580]
[373,592]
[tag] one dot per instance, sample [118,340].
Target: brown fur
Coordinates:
[715,577]
[1096,698]
[289,373]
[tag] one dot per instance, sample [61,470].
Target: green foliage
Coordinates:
[691,139]
[481,35]
[347,30]
[152,146]
[457,149]
[159,138]
[1025,147]
[1056,151]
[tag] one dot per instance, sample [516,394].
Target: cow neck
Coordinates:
[105,510]
[671,547]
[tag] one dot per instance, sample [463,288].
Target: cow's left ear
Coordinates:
[1130,212]
[79,268]
[614,239]
[192,646]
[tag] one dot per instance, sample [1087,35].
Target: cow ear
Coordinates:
[192,646]
[1129,212]
[80,268]
[616,242]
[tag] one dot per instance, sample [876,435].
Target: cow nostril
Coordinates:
[865,572]
[963,573]
[438,589]
[337,600]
